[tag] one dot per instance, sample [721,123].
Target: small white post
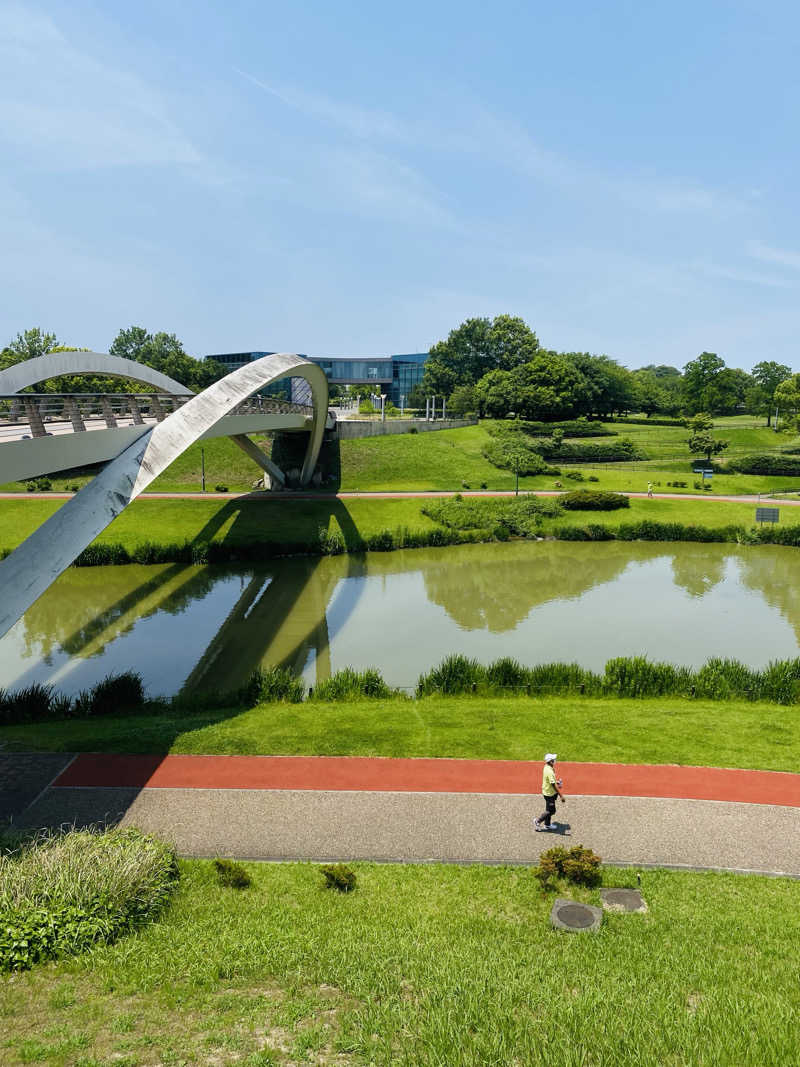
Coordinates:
[444,406]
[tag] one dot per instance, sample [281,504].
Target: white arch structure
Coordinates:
[28,571]
[55,364]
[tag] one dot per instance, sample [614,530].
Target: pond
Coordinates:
[203,628]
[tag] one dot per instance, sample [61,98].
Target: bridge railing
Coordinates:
[88,411]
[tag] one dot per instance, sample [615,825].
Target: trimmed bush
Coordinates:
[578,865]
[63,893]
[766,463]
[569,428]
[511,450]
[593,500]
[339,876]
[232,875]
[621,451]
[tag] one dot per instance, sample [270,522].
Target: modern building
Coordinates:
[394,375]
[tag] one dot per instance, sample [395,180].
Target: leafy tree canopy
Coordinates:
[164,352]
[475,348]
[547,387]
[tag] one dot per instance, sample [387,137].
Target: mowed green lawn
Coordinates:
[298,522]
[424,965]
[658,730]
[452,459]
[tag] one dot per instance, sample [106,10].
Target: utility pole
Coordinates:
[203,469]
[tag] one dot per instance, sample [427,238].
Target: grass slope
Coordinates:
[297,522]
[665,730]
[424,966]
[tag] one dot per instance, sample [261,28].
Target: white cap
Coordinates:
[550,756]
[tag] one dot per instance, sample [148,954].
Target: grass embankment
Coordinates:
[294,525]
[451,459]
[424,965]
[734,733]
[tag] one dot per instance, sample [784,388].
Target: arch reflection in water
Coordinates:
[208,628]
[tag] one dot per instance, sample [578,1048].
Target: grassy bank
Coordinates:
[294,525]
[665,730]
[423,966]
[453,459]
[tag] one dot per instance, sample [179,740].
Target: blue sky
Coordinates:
[355,179]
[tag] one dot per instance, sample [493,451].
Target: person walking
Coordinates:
[650,489]
[551,788]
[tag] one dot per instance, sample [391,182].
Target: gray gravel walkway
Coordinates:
[447,827]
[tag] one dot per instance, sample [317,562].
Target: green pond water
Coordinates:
[202,628]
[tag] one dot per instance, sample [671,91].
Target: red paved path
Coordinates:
[429,776]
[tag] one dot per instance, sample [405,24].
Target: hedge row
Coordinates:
[621,451]
[570,428]
[766,463]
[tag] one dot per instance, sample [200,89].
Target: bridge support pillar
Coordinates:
[136,411]
[34,418]
[108,413]
[73,413]
[251,449]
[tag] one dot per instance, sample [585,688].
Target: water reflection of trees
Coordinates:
[495,587]
[773,572]
[699,568]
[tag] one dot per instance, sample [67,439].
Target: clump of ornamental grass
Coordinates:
[349,684]
[62,892]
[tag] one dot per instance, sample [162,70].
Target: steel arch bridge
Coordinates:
[220,410]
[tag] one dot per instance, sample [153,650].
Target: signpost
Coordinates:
[767,515]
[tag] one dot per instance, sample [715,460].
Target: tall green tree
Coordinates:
[547,387]
[699,376]
[164,352]
[767,375]
[702,440]
[476,347]
[610,388]
[28,345]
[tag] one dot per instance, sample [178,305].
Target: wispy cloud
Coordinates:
[468,128]
[768,254]
[747,277]
[68,109]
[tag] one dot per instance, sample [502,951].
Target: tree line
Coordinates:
[161,351]
[496,366]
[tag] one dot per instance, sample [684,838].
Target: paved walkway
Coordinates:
[419,810]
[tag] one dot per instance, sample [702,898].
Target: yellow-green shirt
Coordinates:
[549,781]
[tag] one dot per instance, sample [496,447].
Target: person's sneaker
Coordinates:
[552,826]
[538,827]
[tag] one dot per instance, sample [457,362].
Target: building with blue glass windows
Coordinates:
[394,375]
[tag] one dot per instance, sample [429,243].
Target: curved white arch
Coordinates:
[38,561]
[54,364]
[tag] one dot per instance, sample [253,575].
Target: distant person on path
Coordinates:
[649,488]
[551,788]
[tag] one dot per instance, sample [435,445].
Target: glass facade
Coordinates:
[396,375]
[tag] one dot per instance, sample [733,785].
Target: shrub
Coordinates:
[593,478]
[269,685]
[455,674]
[62,893]
[339,876]
[593,500]
[636,676]
[568,428]
[767,463]
[349,684]
[331,542]
[232,875]
[578,865]
[220,488]
[575,476]
[31,704]
[622,450]
[118,694]
[512,451]
[506,673]
[723,679]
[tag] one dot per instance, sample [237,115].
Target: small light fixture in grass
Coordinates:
[231,874]
[339,876]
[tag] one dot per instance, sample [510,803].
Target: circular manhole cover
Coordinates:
[575,916]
